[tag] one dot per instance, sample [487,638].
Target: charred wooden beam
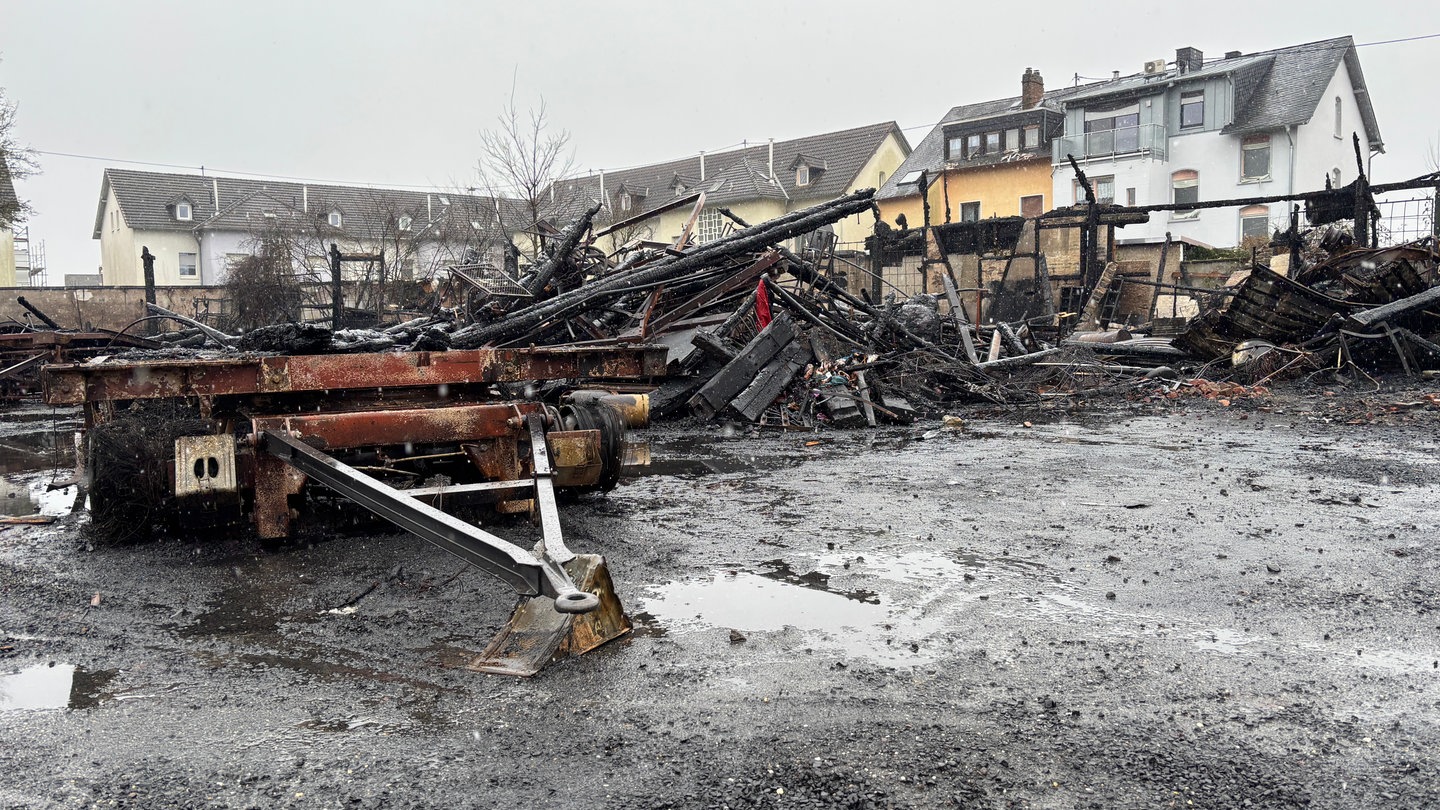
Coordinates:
[601,292]
[1385,312]
[561,256]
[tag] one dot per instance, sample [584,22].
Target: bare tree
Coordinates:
[17,162]
[263,288]
[523,158]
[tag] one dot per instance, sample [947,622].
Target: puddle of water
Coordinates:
[24,495]
[720,465]
[337,724]
[54,686]
[1226,641]
[751,602]
[903,626]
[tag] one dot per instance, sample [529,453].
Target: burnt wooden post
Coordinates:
[1363,203]
[337,292]
[924,186]
[1294,240]
[1160,274]
[147,260]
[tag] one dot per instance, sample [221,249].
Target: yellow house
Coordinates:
[8,203]
[756,183]
[981,160]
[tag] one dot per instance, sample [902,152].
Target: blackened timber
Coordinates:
[717,291]
[568,242]
[772,380]
[679,202]
[1016,361]
[740,372]
[1393,309]
[599,292]
[34,310]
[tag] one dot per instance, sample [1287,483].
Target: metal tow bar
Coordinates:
[541,573]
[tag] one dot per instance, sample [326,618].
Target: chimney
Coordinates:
[1233,54]
[702,165]
[215,192]
[1188,59]
[1032,89]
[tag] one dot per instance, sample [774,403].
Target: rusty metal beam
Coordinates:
[461,423]
[74,384]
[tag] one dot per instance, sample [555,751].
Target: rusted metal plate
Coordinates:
[461,423]
[73,384]
[536,634]
[577,457]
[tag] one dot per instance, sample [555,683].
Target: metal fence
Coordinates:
[1405,219]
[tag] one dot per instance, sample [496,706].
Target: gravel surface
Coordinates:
[1140,605]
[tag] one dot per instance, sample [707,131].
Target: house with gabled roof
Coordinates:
[9,201]
[1245,125]
[196,225]
[985,159]
[757,182]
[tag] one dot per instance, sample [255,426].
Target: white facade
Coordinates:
[1203,158]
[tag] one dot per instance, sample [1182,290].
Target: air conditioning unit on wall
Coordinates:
[1154,66]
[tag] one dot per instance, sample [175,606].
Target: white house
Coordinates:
[1247,125]
[195,225]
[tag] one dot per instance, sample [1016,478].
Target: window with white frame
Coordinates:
[1335,177]
[1254,223]
[709,226]
[993,143]
[625,201]
[1192,109]
[1104,190]
[802,175]
[970,212]
[1185,188]
[188,265]
[1012,139]
[972,145]
[335,219]
[1339,129]
[183,211]
[1032,206]
[1032,137]
[1255,158]
[955,147]
[405,223]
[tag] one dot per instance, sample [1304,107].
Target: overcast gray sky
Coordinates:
[395,93]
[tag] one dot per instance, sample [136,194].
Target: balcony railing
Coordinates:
[1142,139]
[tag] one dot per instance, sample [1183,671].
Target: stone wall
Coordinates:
[114,308]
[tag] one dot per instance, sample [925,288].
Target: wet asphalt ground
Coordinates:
[1147,605]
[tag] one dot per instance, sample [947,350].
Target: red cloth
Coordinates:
[762,305]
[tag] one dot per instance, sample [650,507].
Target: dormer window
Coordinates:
[807,169]
[183,211]
[335,219]
[625,201]
[405,222]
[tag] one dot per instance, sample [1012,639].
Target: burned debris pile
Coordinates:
[1363,308]
[764,325]
[26,346]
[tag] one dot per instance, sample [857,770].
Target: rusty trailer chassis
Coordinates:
[355,423]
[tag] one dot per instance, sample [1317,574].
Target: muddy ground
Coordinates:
[1140,604]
